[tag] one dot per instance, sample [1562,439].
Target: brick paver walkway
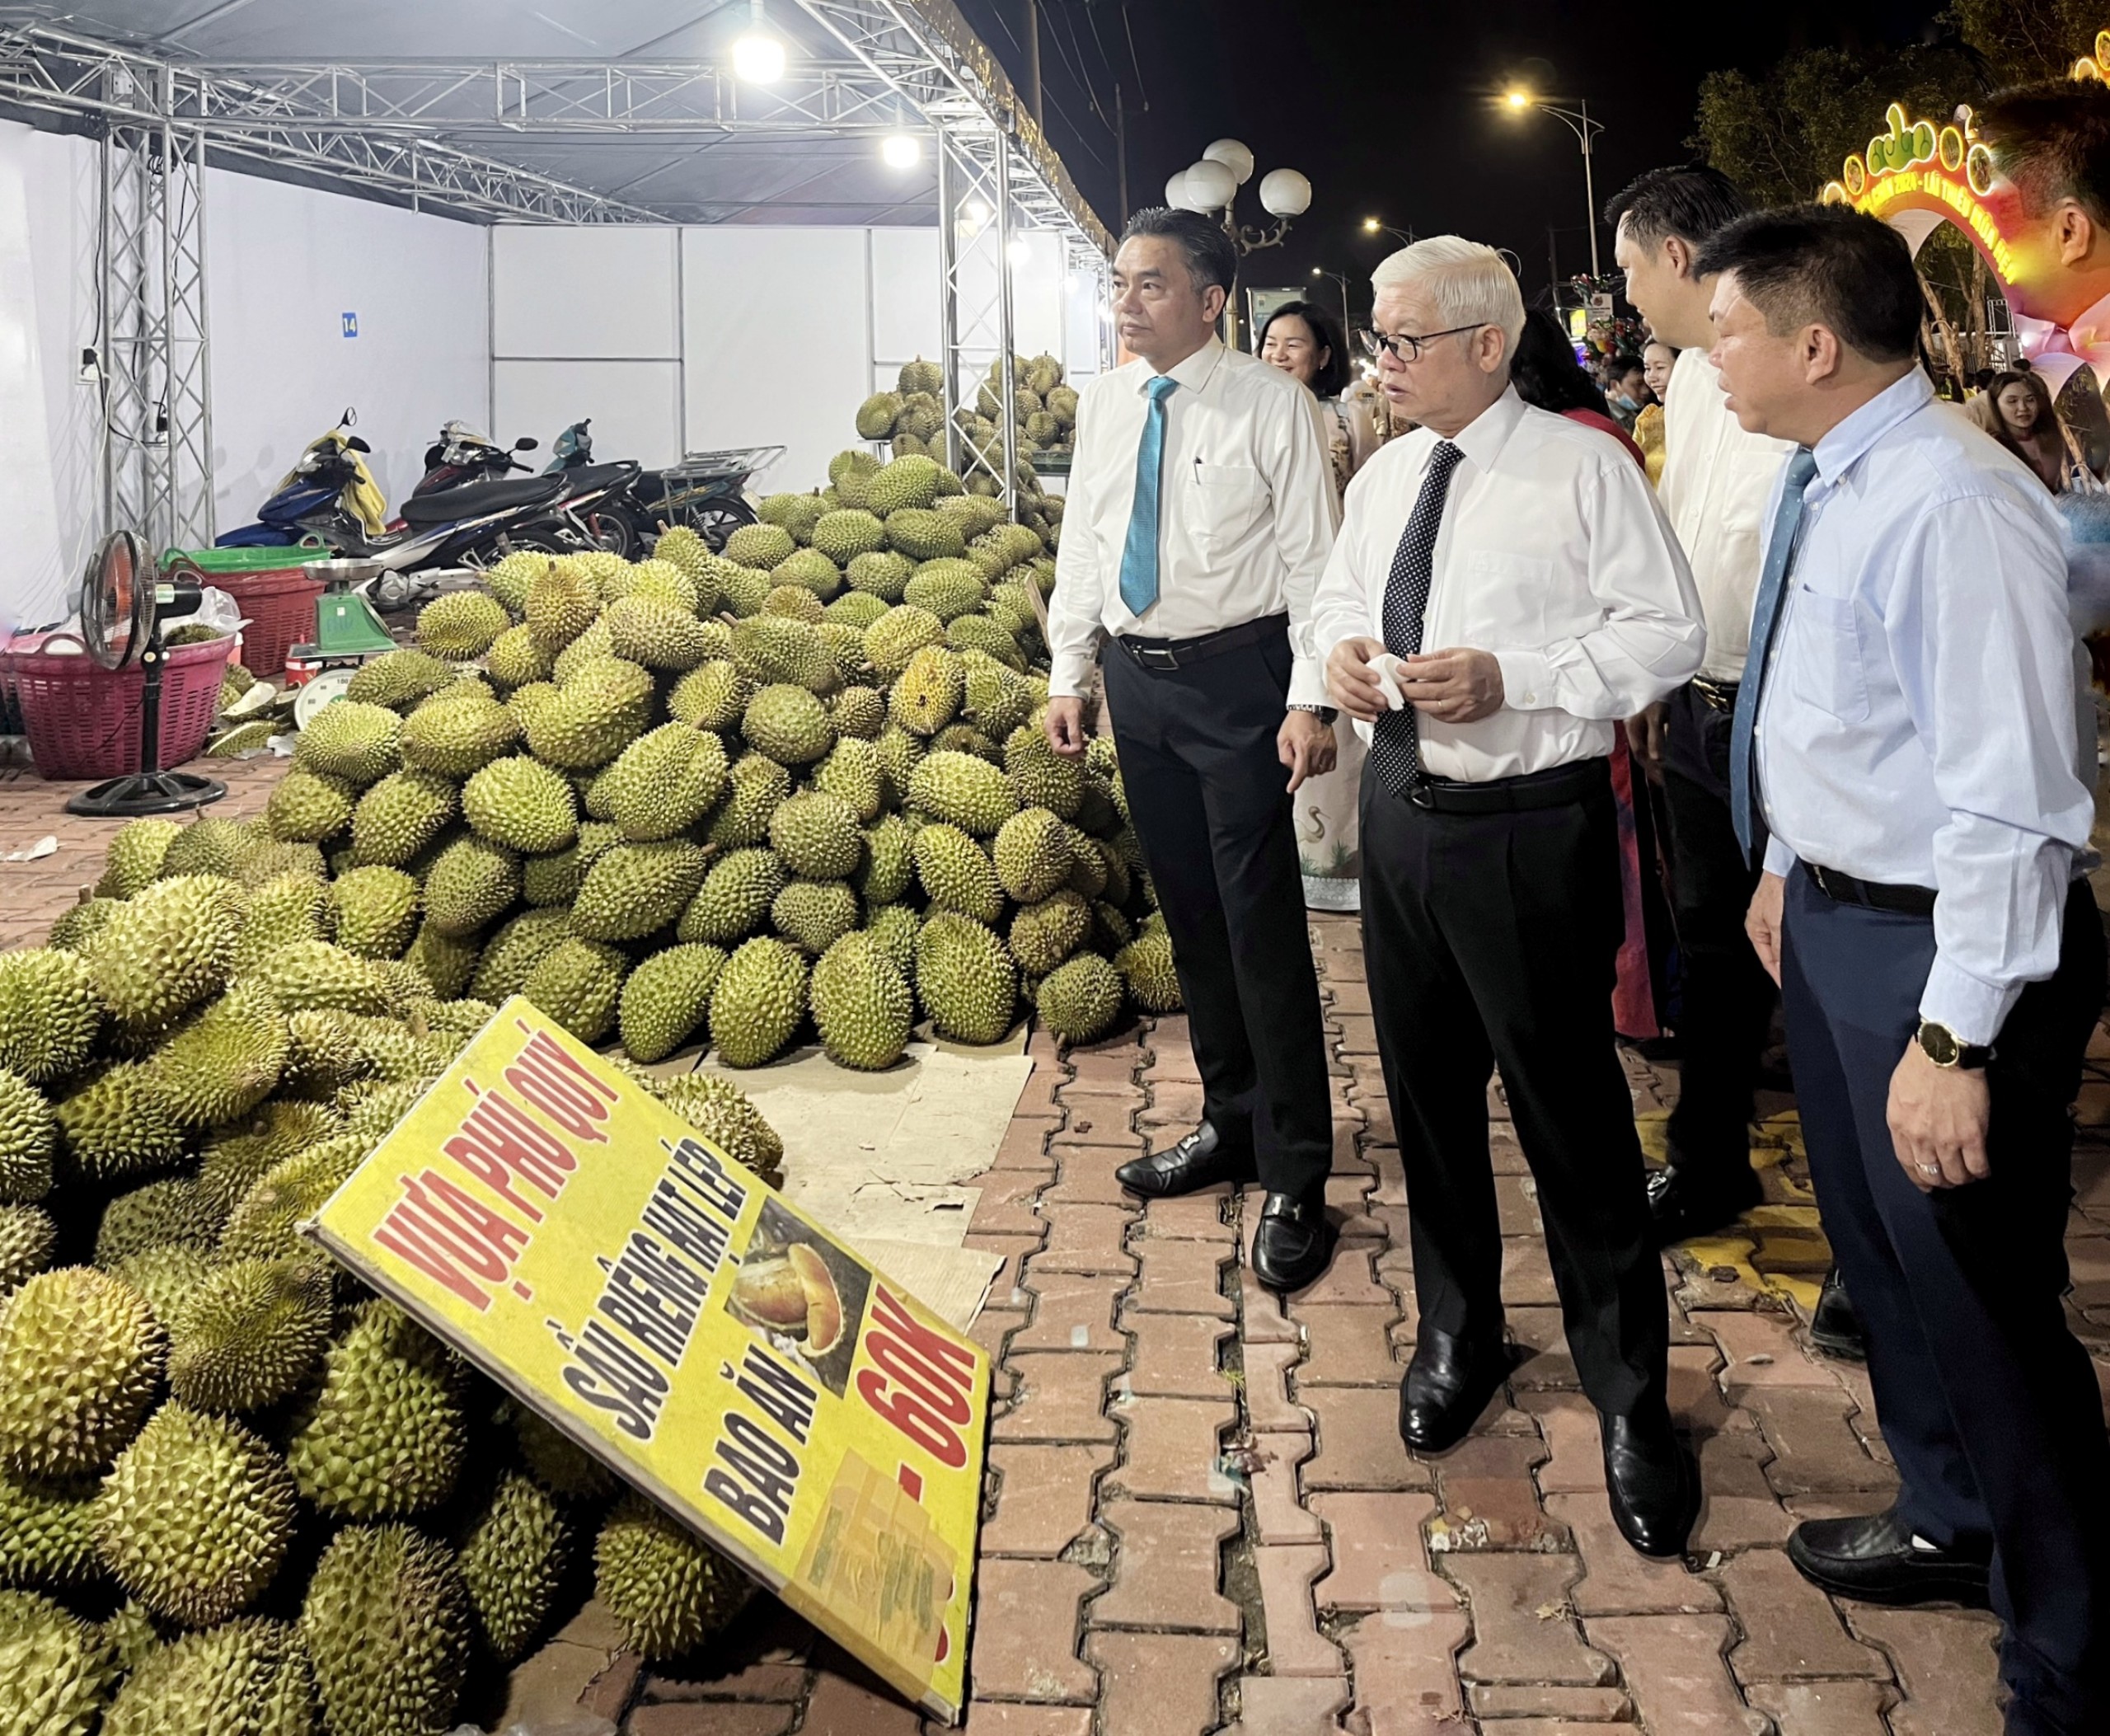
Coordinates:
[1202,1519]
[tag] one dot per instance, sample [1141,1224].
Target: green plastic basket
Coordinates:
[279,559]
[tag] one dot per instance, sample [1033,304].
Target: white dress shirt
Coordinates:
[1552,555]
[1717,481]
[1245,512]
[1917,723]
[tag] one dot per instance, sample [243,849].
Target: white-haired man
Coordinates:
[1517,565]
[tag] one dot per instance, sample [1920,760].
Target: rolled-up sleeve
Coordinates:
[1977,630]
[1650,638]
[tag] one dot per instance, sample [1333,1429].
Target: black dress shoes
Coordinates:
[1292,1241]
[1834,1328]
[1447,1385]
[1877,1559]
[1203,1158]
[1651,1484]
[1685,1201]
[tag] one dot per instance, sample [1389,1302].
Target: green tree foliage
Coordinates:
[2020,40]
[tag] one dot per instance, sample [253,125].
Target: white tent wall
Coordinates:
[284,265]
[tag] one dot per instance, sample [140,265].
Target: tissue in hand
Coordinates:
[1386,669]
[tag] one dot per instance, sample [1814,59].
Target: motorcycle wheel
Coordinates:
[716,520]
[614,532]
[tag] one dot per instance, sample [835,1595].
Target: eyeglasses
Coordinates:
[1406,346]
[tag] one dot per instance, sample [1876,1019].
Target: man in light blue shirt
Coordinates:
[1904,748]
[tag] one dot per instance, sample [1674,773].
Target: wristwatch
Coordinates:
[1324,713]
[1942,1047]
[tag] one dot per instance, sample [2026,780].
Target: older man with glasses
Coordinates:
[1504,591]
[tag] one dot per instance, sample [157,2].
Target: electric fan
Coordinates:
[123,598]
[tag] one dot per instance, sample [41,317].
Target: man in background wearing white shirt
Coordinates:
[1200,508]
[1517,567]
[1906,726]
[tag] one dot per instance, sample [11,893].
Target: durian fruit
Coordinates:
[522,804]
[898,636]
[1042,777]
[50,1011]
[665,782]
[458,737]
[964,979]
[28,1239]
[513,1561]
[775,647]
[735,896]
[858,713]
[211,846]
[462,625]
[55,1669]
[634,889]
[174,1212]
[1080,999]
[929,692]
[264,1223]
[165,1273]
[562,602]
[724,1114]
[798,513]
[811,570]
[922,535]
[814,914]
[1032,854]
[399,816]
[446,962]
[862,1003]
[513,952]
[195,1517]
[889,864]
[669,1590]
[884,574]
[247,1335]
[907,483]
[28,1134]
[164,950]
[245,1678]
[81,1355]
[116,1125]
[399,679]
[658,635]
[1044,933]
[754,788]
[579,984]
[351,741]
[305,807]
[788,724]
[713,696]
[517,658]
[853,772]
[227,1059]
[957,875]
[921,376]
[965,790]
[47,1534]
[304,974]
[471,882]
[596,713]
[1147,964]
[667,998]
[76,927]
[135,858]
[948,588]
[845,534]
[386,1627]
[815,835]
[555,1463]
[294,906]
[875,415]
[764,546]
[385,1436]
[759,1000]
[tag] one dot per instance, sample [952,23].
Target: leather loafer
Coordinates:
[1651,1484]
[1292,1242]
[1877,1559]
[1447,1385]
[1834,1328]
[1682,1204]
[1202,1159]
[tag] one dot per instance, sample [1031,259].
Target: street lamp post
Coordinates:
[1372,226]
[1347,320]
[1210,186]
[1579,122]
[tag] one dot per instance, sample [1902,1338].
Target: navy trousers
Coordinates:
[1988,1403]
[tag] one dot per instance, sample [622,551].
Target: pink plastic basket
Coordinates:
[83,720]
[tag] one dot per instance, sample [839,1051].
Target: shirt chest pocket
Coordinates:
[1228,502]
[1503,602]
[1827,668]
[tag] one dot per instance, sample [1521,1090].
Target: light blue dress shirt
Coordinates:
[1917,725]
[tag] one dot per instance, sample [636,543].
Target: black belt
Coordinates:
[1717,696]
[1177,654]
[1843,888]
[1555,788]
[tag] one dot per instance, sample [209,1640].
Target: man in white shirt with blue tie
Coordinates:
[1200,508]
[1905,727]
[1509,571]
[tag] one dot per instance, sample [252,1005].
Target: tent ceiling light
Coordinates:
[901,150]
[758,56]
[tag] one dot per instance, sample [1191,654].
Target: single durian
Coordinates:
[385,1435]
[249,1334]
[56,1670]
[667,998]
[758,1001]
[513,1561]
[669,1590]
[80,1357]
[245,1678]
[385,1626]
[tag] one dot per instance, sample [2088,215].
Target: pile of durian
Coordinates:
[912,417]
[239,1495]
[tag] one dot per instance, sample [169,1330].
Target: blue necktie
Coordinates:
[1139,553]
[1765,618]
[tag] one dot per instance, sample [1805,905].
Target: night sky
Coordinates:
[1385,106]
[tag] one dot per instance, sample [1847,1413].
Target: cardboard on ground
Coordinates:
[709,1342]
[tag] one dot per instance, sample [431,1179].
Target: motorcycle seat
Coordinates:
[473,499]
[589,477]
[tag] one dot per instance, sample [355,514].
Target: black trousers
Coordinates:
[1987,1401]
[1728,1003]
[1492,939]
[1209,802]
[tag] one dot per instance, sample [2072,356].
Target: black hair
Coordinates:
[1828,265]
[1623,365]
[1332,378]
[1691,202]
[1211,254]
[1544,372]
[2053,140]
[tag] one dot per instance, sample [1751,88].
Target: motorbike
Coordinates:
[331,473]
[462,455]
[706,491]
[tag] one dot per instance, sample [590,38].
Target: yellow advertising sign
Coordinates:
[609,1266]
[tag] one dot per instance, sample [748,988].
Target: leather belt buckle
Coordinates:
[1423,795]
[1155,656]
[1817,874]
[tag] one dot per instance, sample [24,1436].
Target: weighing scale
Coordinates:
[348,633]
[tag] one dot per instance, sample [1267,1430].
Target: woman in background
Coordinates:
[1303,342]
[1657,360]
[2016,409]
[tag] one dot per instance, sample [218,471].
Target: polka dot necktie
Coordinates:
[1395,744]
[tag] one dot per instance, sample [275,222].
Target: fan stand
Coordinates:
[152,791]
